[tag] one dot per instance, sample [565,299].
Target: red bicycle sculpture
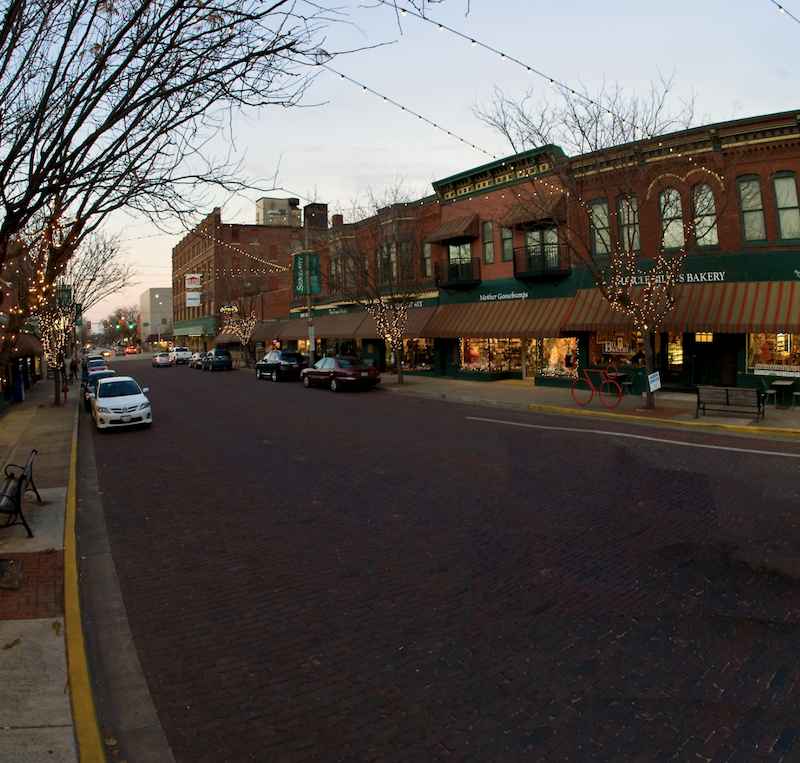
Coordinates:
[609,391]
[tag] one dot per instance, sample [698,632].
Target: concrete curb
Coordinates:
[87,731]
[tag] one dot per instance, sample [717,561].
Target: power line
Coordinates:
[783,10]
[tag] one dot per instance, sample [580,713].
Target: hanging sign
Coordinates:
[192,299]
[193,281]
[654,381]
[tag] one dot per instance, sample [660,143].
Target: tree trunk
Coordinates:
[649,367]
[57,377]
[398,362]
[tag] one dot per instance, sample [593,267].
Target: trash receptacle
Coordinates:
[18,392]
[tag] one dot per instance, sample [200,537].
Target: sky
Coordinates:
[734,58]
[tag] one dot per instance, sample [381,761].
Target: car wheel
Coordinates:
[306,381]
[274,375]
[334,385]
[258,374]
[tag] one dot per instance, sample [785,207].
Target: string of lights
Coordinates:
[386,99]
[783,10]
[505,57]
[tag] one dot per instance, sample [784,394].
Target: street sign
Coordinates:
[145,324]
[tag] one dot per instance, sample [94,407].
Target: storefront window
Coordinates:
[773,351]
[553,357]
[418,354]
[616,347]
[491,355]
[675,351]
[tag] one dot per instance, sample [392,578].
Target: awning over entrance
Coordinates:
[266,332]
[297,328]
[535,209]
[188,331]
[452,230]
[726,308]
[226,338]
[513,318]
[337,326]
[416,324]
[27,344]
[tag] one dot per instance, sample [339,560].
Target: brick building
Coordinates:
[243,265]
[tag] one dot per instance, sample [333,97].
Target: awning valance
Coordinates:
[416,324]
[460,228]
[297,328]
[533,318]
[726,308]
[337,326]
[189,331]
[266,332]
[27,344]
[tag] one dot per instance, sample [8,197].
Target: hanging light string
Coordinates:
[386,99]
[273,266]
[783,10]
[505,57]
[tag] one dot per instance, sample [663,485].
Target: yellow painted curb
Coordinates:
[87,731]
[766,431]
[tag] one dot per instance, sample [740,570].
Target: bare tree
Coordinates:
[372,263]
[616,158]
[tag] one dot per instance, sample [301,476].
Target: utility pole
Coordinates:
[311,340]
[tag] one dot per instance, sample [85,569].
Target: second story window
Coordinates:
[487,239]
[751,209]
[601,231]
[507,244]
[671,219]
[628,221]
[425,260]
[705,216]
[459,252]
[786,205]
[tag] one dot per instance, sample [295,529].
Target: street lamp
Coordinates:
[158,313]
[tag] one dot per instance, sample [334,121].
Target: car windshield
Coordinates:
[351,363]
[94,378]
[118,389]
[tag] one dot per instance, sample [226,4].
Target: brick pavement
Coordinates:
[470,594]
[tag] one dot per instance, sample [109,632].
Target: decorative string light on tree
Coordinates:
[241,326]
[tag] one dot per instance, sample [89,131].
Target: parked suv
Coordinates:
[217,359]
[281,364]
[180,355]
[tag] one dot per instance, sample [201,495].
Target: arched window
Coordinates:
[704,216]
[671,219]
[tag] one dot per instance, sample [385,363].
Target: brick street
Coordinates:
[362,577]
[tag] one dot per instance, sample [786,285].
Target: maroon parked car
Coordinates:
[341,372]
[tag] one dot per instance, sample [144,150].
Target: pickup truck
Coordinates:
[180,355]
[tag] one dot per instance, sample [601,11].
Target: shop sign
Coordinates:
[193,281]
[617,347]
[192,299]
[500,296]
[710,276]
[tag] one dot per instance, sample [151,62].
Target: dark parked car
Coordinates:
[91,383]
[281,364]
[217,359]
[341,372]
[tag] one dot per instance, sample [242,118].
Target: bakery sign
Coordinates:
[193,281]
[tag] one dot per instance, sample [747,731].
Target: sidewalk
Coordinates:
[671,408]
[37,685]
[42,693]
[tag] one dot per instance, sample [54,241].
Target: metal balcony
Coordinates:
[541,262]
[458,273]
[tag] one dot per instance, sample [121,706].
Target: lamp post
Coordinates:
[158,322]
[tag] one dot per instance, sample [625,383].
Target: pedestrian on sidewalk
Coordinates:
[73,370]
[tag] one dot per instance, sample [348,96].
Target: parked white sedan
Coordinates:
[119,401]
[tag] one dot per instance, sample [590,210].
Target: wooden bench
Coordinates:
[741,400]
[13,491]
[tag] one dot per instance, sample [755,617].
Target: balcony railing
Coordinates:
[458,273]
[541,261]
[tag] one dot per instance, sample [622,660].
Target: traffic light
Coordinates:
[116,325]
[89,325]
[105,324]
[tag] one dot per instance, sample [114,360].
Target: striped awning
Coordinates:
[189,331]
[266,332]
[297,328]
[726,308]
[337,326]
[453,230]
[514,318]
[416,324]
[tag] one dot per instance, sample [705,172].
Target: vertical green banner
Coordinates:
[314,275]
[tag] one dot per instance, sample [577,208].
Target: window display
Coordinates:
[772,351]
[553,357]
[491,355]
[418,354]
